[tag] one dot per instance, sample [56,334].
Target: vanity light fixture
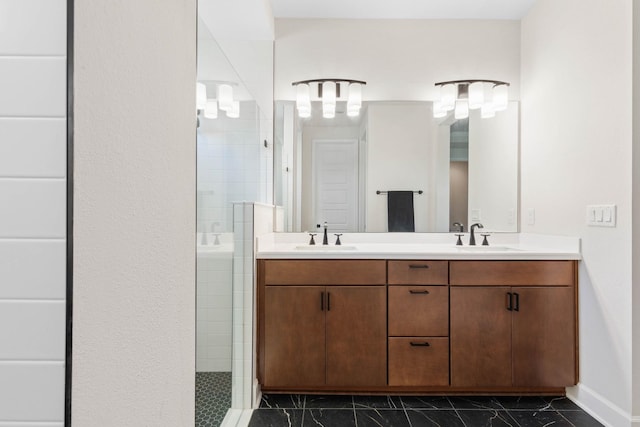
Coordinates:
[223,101]
[463,95]
[329,91]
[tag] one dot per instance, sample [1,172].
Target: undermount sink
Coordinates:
[481,248]
[328,248]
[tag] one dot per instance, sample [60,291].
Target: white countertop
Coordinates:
[502,246]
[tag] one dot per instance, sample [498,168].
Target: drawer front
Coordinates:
[512,273]
[418,311]
[418,361]
[418,272]
[325,272]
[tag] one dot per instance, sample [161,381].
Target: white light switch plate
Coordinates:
[601,215]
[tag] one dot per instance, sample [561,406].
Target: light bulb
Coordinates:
[462,109]
[201,96]
[225,97]
[476,95]
[353,110]
[355,95]
[448,96]
[303,100]
[329,94]
[211,109]
[438,111]
[500,97]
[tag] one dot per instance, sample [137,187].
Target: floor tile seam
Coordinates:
[456,411]
[567,419]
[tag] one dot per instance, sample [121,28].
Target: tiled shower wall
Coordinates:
[233,165]
[32,212]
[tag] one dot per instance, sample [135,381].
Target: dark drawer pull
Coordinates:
[420,344]
[418,266]
[415,291]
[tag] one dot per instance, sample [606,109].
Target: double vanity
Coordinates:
[414,313]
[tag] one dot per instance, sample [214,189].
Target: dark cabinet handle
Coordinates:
[418,266]
[420,344]
[517,306]
[416,291]
[321,301]
[328,301]
[509,301]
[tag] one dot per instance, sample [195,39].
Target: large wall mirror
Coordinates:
[339,170]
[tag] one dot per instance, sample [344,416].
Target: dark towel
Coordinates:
[400,211]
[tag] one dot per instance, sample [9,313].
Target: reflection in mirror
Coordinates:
[331,169]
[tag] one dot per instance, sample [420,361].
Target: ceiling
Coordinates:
[401,9]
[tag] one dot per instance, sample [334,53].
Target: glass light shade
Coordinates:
[355,95]
[487,111]
[201,96]
[225,97]
[304,111]
[328,94]
[328,110]
[353,110]
[448,94]
[303,99]
[438,111]
[234,111]
[211,109]
[500,97]
[462,109]
[476,95]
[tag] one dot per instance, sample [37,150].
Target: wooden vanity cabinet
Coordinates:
[322,330]
[522,335]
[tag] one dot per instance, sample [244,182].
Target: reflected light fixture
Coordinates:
[223,99]
[211,109]
[201,96]
[463,95]
[234,111]
[330,92]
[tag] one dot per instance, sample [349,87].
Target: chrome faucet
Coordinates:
[460,225]
[472,236]
[325,239]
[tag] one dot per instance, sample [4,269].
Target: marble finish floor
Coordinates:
[277,410]
[213,397]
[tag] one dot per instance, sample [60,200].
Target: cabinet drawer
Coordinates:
[418,361]
[325,272]
[418,272]
[512,273]
[418,311]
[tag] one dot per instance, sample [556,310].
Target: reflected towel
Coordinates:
[400,211]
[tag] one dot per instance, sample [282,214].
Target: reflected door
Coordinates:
[335,184]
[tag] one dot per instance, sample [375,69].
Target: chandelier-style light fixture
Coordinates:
[329,91]
[464,95]
[223,100]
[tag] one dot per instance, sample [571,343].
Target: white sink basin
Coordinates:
[481,248]
[325,248]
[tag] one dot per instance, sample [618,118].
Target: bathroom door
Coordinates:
[335,184]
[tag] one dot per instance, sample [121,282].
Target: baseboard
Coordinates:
[601,408]
[237,418]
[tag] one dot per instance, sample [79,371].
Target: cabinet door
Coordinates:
[294,339]
[480,336]
[356,336]
[544,337]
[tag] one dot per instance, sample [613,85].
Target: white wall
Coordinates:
[135,187]
[401,156]
[636,210]
[32,212]
[576,150]
[399,59]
